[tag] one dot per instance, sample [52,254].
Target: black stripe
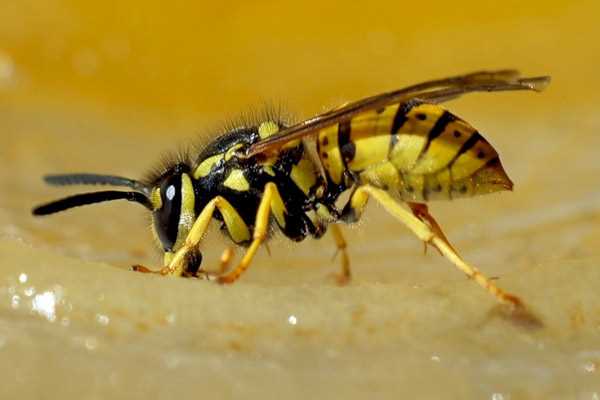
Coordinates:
[437,129]
[399,119]
[346,146]
[402,115]
[469,144]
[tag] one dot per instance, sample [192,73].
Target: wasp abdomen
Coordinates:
[418,151]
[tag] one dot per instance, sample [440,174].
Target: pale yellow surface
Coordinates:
[108,87]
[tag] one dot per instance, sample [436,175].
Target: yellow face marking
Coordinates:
[267,129]
[188,198]
[304,175]
[187,215]
[206,166]
[329,153]
[237,181]
[412,136]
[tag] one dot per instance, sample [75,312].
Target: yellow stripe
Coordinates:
[231,151]
[267,129]
[472,160]
[237,181]
[371,146]
[206,166]
[382,175]
[304,175]
[329,153]
[412,136]
[444,148]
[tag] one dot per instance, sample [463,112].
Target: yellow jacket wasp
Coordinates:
[396,147]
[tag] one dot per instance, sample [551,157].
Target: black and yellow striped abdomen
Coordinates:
[418,151]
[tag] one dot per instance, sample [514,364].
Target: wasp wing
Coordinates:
[435,91]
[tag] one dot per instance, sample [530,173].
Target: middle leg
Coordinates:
[270,202]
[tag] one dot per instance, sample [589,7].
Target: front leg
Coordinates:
[185,261]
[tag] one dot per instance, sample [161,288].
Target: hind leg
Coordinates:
[426,229]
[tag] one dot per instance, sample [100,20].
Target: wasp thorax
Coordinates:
[173,207]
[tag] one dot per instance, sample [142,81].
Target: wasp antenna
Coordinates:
[95,179]
[91,198]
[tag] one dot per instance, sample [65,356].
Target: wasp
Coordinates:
[400,148]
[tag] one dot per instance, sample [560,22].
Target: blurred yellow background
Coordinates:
[108,86]
[216,58]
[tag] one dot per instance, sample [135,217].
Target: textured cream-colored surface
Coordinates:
[86,87]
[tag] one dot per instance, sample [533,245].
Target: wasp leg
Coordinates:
[430,236]
[167,257]
[225,260]
[421,211]
[237,228]
[345,276]
[143,269]
[270,202]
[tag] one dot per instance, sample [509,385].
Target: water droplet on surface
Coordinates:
[15,301]
[292,320]
[45,305]
[22,277]
[91,343]
[102,319]
[30,291]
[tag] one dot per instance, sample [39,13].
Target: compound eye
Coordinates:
[166,218]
